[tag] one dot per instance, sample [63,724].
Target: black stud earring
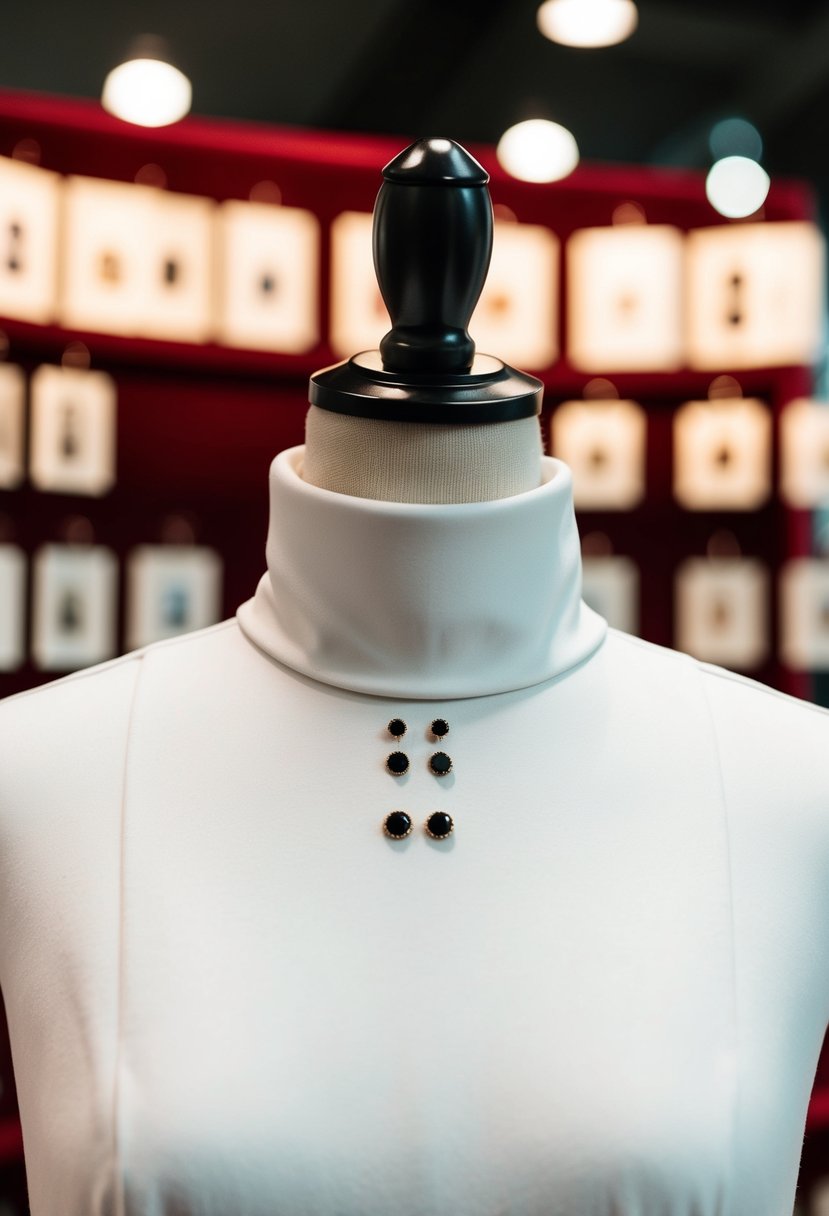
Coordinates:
[440,764]
[439,825]
[398,825]
[397,763]
[396,728]
[439,727]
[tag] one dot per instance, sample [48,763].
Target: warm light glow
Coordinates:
[147,92]
[538,151]
[736,186]
[587,22]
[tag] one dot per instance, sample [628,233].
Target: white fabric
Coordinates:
[229,994]
[420,462]
[419,600]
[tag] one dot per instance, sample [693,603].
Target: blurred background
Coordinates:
[185,234]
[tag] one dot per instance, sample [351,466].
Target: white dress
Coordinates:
[230,994]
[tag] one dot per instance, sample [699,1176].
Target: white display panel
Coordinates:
[359,318]
[804,454]
[624,298]
[755,294]
[12,425]
[75,589]
[106,255]
[269,258]
[603,442]
[29,201]
[610,585]
[73,435]
[804,613]
[171,589]
[516,318]
[721,610]
[180,301]
[722,454]
[12,607]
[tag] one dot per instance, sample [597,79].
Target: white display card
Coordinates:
[12,425]
[29,200]
[721,610]
[269,280]
[73,432]
[722,454]
[171,589]
[610,585]
[75,589]
[359,317]
[180,291]
[516,318]
[12,607]
[755,294]
[106,258]
[804,454]
[603,442]
[804,613]
[624,298]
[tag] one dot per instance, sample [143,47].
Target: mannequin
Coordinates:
[230,991]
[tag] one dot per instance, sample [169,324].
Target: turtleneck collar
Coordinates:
[418,601]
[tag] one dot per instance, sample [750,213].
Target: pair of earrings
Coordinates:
[399,825]
[397,763]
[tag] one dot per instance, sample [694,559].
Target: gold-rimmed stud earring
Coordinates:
[398,825]
[397,763]
[396,728]
[439,825]
[440,764]
[439,727]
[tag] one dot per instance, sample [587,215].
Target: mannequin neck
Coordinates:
[421,462]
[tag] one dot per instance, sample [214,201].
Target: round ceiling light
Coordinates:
[538,151]
[587,22]
[146,89]
[736,186]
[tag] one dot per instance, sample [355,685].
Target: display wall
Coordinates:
[165,294]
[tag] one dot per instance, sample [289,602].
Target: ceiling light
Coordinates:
[736,186]
[146,89]
[587,22]
[735,137]
[538,151]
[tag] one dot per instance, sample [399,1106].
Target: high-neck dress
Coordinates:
[230,993]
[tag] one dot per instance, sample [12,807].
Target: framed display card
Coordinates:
[603,442]
[180,300]
[755,294]
[804,454]
[804,613]
[610,585]
[12,425]
[722,454]
[516,317]
[29,199]
[359,317]
[74,610]
[73,430]
[107,257]
[721,610]
[269,280]
[12,607]
[624,298]
[171,589]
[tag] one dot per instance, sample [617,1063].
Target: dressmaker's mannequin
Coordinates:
[231,994]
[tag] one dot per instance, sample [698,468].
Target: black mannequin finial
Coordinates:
[432,245]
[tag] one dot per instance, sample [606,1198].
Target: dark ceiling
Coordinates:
[466,69]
